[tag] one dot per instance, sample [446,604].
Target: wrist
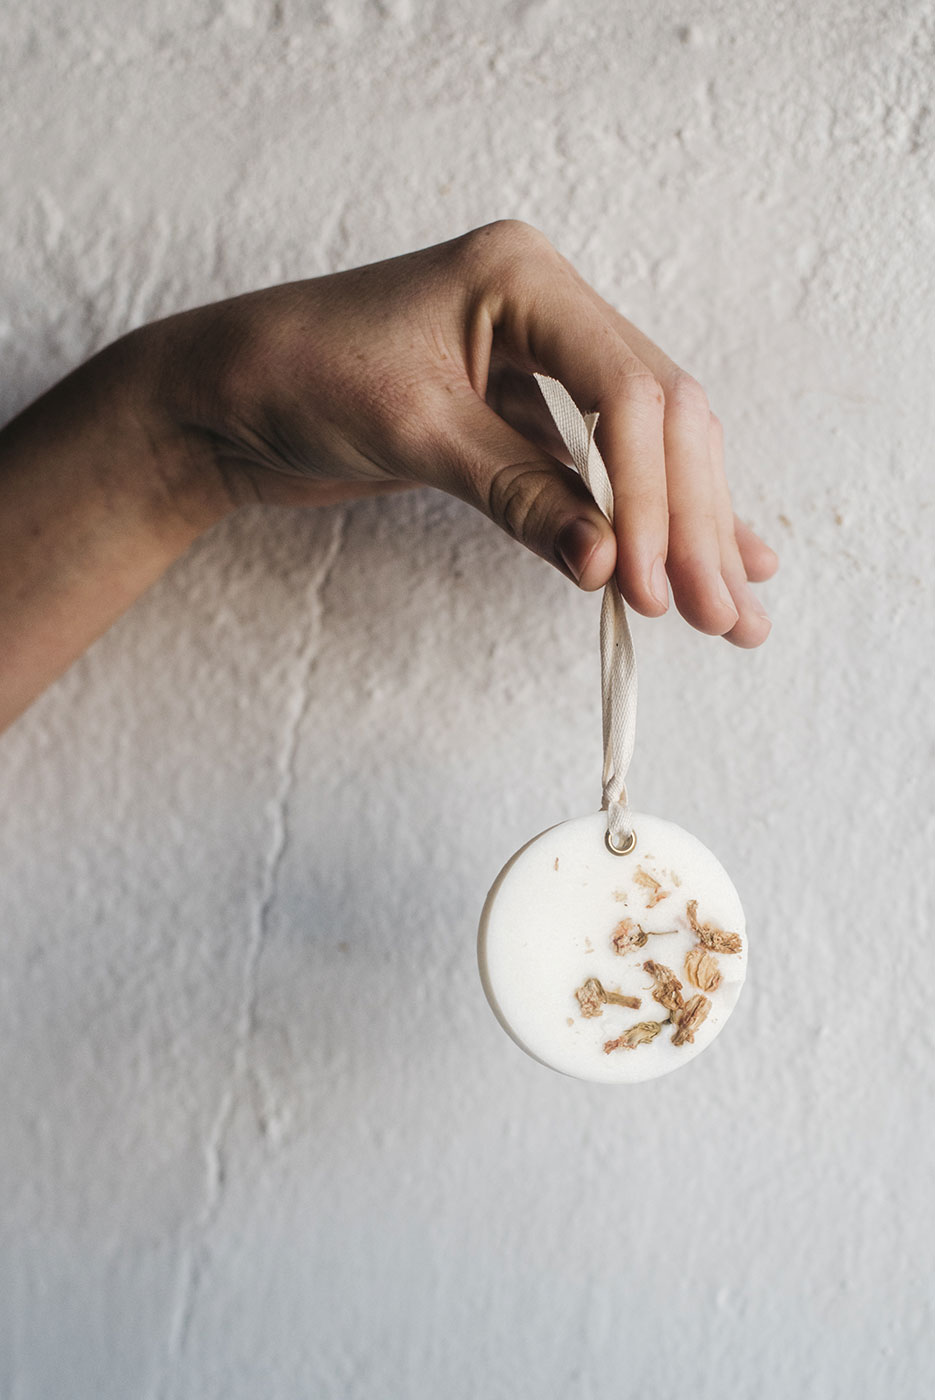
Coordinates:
[167,460]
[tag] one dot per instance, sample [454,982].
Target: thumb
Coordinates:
[537,500]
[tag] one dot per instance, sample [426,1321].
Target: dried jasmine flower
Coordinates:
[667,989]
[627,935]
[689,1017]
[592,998]
[664,977]
[710,935]
[702,969]
[640,1034]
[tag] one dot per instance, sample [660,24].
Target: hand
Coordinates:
[417,371]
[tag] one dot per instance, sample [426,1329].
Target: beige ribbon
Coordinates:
[618,662]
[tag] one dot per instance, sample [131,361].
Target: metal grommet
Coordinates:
[624,850]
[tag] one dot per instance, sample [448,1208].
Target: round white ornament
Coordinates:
[613,947]
[613,968]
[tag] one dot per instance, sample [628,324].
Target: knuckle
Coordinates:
[642,389]
[505,241]
[516,233]
[686,397]
[515,494]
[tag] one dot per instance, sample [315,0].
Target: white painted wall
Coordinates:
[259,1133]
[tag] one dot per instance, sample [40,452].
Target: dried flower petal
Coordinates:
[713,937]
[689,1018]
[627,935]
[702,969]
[649,882]
[668,989]
[640,1034]
[591,997]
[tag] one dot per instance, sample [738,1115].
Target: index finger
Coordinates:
[547,322]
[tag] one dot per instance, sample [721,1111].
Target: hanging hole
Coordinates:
[628,846]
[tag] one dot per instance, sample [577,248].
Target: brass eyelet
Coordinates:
[626,849]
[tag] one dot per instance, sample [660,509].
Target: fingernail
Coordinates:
[754,604]
[723,592]
[575,543]
[657,583]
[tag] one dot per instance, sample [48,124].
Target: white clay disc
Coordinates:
[566,915]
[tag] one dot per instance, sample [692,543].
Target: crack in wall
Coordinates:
[192,1261]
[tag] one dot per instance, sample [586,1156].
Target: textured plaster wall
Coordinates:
[259,1133]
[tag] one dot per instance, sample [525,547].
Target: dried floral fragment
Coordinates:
[702,969]
[591,997]
[640,1034]
[667,989]
[620,896]
[689,1017]
[621,999]
[649,882]
[627,935]
[555,867]
[713,937]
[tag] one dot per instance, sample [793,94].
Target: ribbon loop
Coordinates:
[618,662]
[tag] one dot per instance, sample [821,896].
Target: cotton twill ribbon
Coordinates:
[618,663]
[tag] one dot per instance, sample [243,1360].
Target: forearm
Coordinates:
[367,381]
[99,492]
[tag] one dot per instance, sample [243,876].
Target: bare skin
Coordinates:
[411,372]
